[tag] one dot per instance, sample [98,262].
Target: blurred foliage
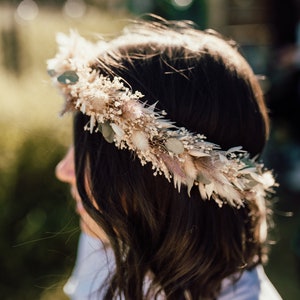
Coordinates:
[194,10]
[11,59]
[38,224]
[37,221]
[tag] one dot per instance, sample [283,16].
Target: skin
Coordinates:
[65,172]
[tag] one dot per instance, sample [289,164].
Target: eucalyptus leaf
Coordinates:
[174,145]
[68,77]
[202,178]
[248,163]
[198,153]
[107,132]
[118,130]
[51,72]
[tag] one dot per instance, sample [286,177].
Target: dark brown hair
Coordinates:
[185,245]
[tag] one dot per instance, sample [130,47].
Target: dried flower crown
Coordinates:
[118,113]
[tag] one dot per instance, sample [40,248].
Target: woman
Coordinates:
[168,122]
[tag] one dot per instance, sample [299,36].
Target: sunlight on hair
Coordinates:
[74,8]
[27,10]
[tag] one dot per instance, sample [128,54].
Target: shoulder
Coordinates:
[94,264]
[253,285]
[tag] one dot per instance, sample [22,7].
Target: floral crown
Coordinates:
[117,112]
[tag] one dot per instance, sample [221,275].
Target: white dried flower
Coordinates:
[117,112]
[139,140]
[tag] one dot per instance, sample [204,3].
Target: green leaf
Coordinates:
[107,132]
[248,163]
[174,145]
[68,77]
[51,72]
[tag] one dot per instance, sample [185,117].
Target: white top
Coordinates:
[94,264]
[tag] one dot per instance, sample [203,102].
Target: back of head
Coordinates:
[199,78]
[183,243]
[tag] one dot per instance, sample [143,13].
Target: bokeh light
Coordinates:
[37,214]
[182,4]
[74,8]
[27,10]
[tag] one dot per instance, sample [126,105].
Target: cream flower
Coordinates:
[117,112]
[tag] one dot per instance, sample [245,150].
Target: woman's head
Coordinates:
[198,78]
[185,243]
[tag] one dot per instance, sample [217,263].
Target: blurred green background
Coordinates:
[39,229]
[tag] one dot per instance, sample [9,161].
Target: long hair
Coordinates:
[183,245]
